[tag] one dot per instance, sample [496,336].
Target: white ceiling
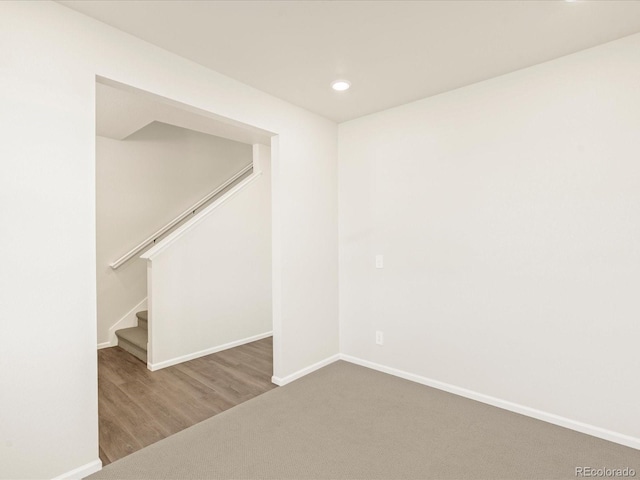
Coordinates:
[393,52]
[122,111]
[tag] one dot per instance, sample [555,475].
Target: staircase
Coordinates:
[134,340]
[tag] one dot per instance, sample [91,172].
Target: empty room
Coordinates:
[320,239]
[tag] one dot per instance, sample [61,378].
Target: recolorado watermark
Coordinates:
[603,472]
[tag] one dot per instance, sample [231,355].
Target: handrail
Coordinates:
[190,211]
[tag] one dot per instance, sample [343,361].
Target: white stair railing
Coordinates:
[150,240]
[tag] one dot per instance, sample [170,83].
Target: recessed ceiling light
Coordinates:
[340,85]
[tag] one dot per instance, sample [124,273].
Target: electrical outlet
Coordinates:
[379,261]
[379,338]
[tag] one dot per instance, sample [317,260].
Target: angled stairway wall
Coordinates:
[210,280]
[142,183]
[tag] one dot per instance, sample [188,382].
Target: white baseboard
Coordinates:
[184,358]
[581,427]
[81,472]
[129,319]
[305,371]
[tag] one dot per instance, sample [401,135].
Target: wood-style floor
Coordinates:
[138,407]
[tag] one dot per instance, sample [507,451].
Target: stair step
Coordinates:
[143,318]
[134,340]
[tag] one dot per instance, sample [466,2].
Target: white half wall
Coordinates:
[49,61]
[210,280]
[508,214]
[143,183]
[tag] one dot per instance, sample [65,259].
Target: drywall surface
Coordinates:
[143,183]
[508,214]
[48,398]
[210,282]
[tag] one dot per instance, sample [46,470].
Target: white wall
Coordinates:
[508,213]
[210,281]
[143,183]
[49,62]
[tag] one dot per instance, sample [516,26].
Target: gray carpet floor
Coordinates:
[350,422]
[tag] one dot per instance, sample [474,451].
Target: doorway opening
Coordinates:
[183,257]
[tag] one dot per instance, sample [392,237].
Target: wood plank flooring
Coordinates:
[137,407]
